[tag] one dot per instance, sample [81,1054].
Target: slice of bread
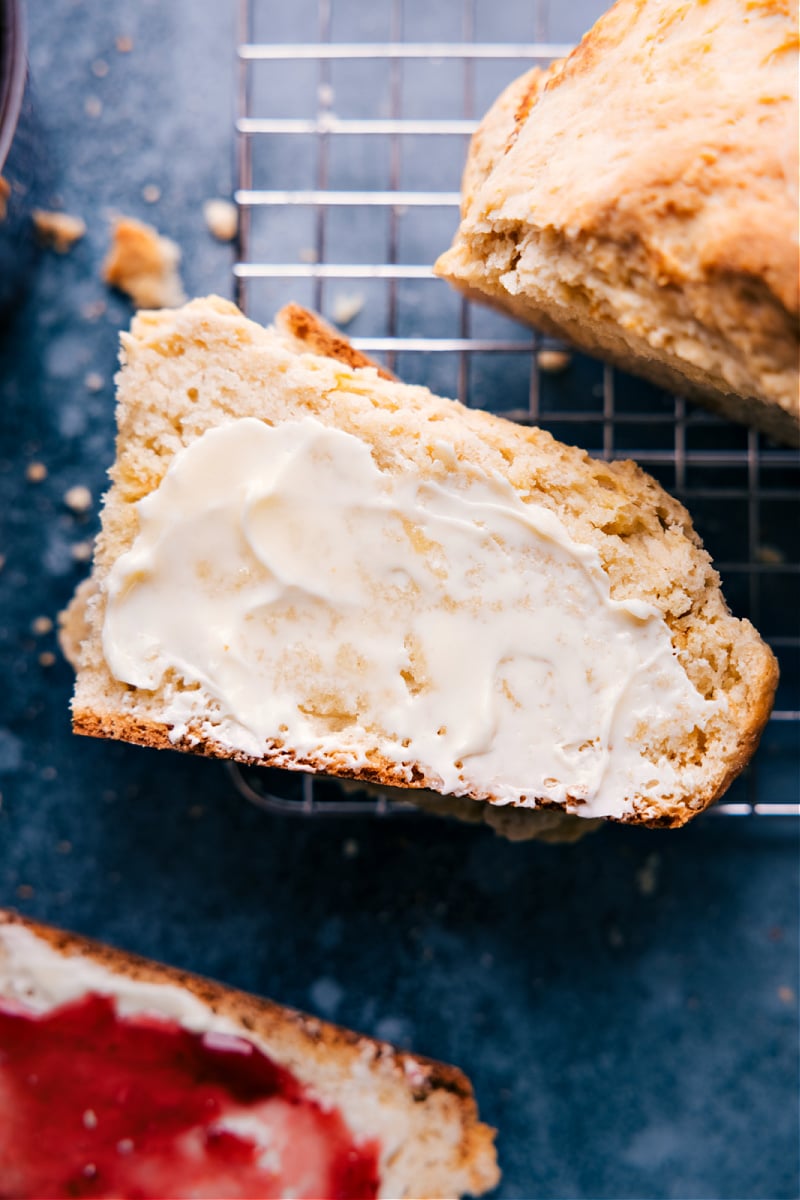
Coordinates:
[640,199]
[484,608]
[418,1115]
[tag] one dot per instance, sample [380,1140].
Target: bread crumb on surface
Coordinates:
[647,875]
[35,472]
[47,658]
[346,307]
[770,555]
[308,254]
[222,219]
[144,265]
[25,891]
[78,498]
[553,362]
[124,44]
[58,230]
[93,106]
[82,551]
[786,995]
[100,68]
[151,193]
[93,310]
[5,192]
[41,625]
[325,95]
[93,381]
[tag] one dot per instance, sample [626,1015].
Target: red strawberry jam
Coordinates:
[101,1105]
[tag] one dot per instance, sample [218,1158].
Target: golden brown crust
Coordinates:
[645,204]
[380,771]
[307,1036]
[318,337]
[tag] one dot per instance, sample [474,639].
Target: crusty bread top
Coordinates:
[690,110]
[443,1149]
[189,370]
[310,334]
[661,154]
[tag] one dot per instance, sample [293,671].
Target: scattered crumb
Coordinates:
[770,555]
[93,382]
[78,498]
[647,875]
[64,847]
[151,193]
[93,310]
[47,658]
[350,848]
[41,625]
[553,362]
[124,44]
[308,254]
[615,939]
[35,472]
[100,68]
[82,551]
[93,106]
[786,995]
[5,192]
[346,307]
[144,264]
[58,230]
[25,891]
[325,95]
[222,219]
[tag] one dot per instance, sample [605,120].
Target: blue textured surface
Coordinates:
[626,1008]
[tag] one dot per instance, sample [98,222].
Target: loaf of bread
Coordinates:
[640,199]
[303,564]
[121,1077]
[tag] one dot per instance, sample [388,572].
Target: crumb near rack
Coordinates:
[144,265]
[222,219]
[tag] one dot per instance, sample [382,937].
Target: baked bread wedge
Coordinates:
[122,1077]
[639,199]
[303,564]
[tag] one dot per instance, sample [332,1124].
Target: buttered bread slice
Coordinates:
[305,564]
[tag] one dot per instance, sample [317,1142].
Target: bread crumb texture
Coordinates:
[189,370]
[144,265]
[640,199]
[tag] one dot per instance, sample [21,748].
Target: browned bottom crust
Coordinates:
[156,735]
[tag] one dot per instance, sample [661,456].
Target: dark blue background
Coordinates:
[627,1040]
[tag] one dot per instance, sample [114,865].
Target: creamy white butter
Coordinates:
[338,609]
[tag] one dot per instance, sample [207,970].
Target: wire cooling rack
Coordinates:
[352,129]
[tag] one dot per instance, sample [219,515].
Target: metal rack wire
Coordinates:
[341,144]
